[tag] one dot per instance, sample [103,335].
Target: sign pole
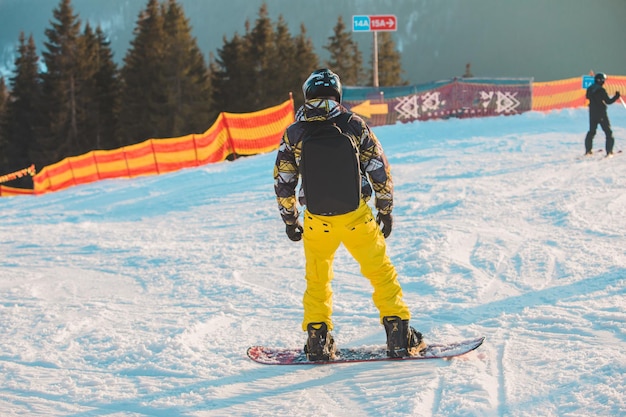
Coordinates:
[366,23]
[375,60]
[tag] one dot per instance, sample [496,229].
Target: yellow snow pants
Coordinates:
[361,236]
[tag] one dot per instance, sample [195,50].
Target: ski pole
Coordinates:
[622,100]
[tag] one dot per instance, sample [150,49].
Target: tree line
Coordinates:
[74,98]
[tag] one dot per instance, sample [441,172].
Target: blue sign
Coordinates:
[360,23]
[588,81]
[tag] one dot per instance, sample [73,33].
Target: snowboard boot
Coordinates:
[402,339]
[320,345]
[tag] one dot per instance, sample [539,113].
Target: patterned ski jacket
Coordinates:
[375,172]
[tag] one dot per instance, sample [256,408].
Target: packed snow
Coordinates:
[140,297]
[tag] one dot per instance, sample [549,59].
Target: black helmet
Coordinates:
[600,77]
[322,83]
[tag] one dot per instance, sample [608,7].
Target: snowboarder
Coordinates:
[327,224]
[598,100]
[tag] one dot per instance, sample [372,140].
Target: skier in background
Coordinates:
[598,100]
[357,229]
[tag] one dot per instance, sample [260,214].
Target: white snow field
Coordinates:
[139,297]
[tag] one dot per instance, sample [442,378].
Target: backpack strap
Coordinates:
[343,120]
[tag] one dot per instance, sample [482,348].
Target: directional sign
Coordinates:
[360,23]
[383,23]
[368,109]
[587,81]
[374,23]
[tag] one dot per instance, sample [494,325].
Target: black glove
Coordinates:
[387,222]
[294,231]
[617,94]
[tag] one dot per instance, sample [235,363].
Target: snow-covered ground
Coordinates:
[139,297]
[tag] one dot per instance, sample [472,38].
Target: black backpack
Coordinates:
[330,168]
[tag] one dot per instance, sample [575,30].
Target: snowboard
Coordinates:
[294,356]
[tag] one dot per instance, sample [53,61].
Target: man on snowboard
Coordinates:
[598,100]
[330,219]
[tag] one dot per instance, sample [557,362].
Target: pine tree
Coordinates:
[87,109]
[4,95]
[280,75]
[305,61]
[263,54]
[468,71]
[107,96]
[296,60]
[143,75]
[389,62]
[232,78]
[166,85]
[234,75]
[188,83]
[62,79]
[262,67]
[99,93]
[345,57]
[22,115]
[4,98]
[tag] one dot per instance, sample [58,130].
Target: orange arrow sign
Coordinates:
[367,109]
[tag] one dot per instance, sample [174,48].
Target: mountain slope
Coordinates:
[140,297]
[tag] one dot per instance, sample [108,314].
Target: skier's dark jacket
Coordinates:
[372,159]
[598,100]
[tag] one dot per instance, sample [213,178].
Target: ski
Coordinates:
[598,154]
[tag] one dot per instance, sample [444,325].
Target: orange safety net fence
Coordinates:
[260,132]
[569,93]
[231,134]
[12,191]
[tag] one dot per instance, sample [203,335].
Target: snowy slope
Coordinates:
[139,297]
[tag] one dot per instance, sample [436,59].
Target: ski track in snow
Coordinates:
[140,297]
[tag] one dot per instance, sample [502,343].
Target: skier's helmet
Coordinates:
[322,83]
[600,77]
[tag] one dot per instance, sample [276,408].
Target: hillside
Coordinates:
[139,297]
